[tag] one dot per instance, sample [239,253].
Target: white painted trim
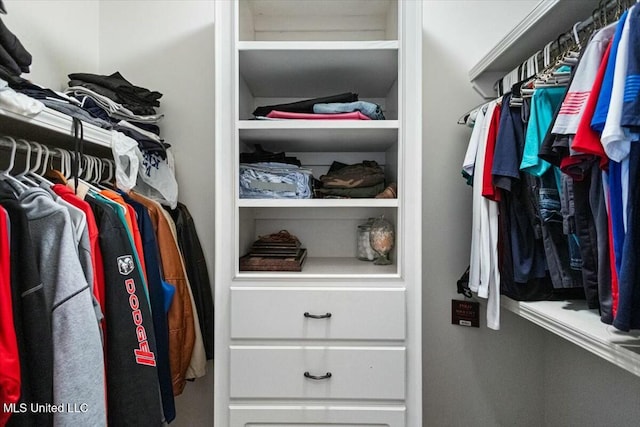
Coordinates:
[318,45]
[62,123]
[539,12]
[582,327]
[318,203]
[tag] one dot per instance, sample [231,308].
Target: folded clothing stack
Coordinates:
[260,155]
[361,180]
[344,106]
[113,97]
[14,58]
[272,180]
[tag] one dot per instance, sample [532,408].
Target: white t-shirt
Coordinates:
[616,139]
[576,98]
[484,275]
[472,149]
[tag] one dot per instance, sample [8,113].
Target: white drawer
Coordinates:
[283,372]
[373,314]
[316,416]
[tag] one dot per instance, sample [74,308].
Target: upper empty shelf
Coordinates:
[313,69]
[318,20]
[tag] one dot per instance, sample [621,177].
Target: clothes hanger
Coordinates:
[96,171]
[22,176]
[57,175]
[16,186]
[34,173]
[461,121]
[11,156]
[84,184]
[108,183]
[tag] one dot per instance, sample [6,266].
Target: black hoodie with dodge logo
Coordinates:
[132,381]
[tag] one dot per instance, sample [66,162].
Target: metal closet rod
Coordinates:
[54,152]
[22,148]
[605,13]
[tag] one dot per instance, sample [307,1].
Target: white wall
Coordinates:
[61,36]
[471,377]
[168,46]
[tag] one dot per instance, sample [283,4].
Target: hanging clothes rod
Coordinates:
[24,146]
[5,142]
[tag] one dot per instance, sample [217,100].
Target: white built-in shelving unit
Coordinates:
[274,51]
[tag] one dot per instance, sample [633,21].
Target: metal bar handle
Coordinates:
[317,377]
[317,316]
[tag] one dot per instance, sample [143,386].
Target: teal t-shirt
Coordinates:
[543,106]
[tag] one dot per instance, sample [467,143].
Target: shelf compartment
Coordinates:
[273,73]
[318,20]
[573,321]
[319,145]
[328,233]
[310,70]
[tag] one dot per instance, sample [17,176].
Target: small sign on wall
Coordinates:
[465,313]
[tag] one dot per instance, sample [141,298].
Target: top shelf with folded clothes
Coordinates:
[276,75]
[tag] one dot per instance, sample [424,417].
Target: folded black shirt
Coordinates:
[305,106]
[118,84]
[13,48]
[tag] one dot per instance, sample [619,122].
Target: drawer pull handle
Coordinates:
[317,377]
[317,316]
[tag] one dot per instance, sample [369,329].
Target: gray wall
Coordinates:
[471,377]
[521,375]
[583,390]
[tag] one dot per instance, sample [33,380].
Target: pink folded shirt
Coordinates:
[355,115]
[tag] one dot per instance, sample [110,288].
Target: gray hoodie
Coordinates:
[78,380]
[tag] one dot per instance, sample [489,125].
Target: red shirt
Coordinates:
[488,189]
[587,140]
[9,357]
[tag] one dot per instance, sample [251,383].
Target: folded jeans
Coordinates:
[369,109]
